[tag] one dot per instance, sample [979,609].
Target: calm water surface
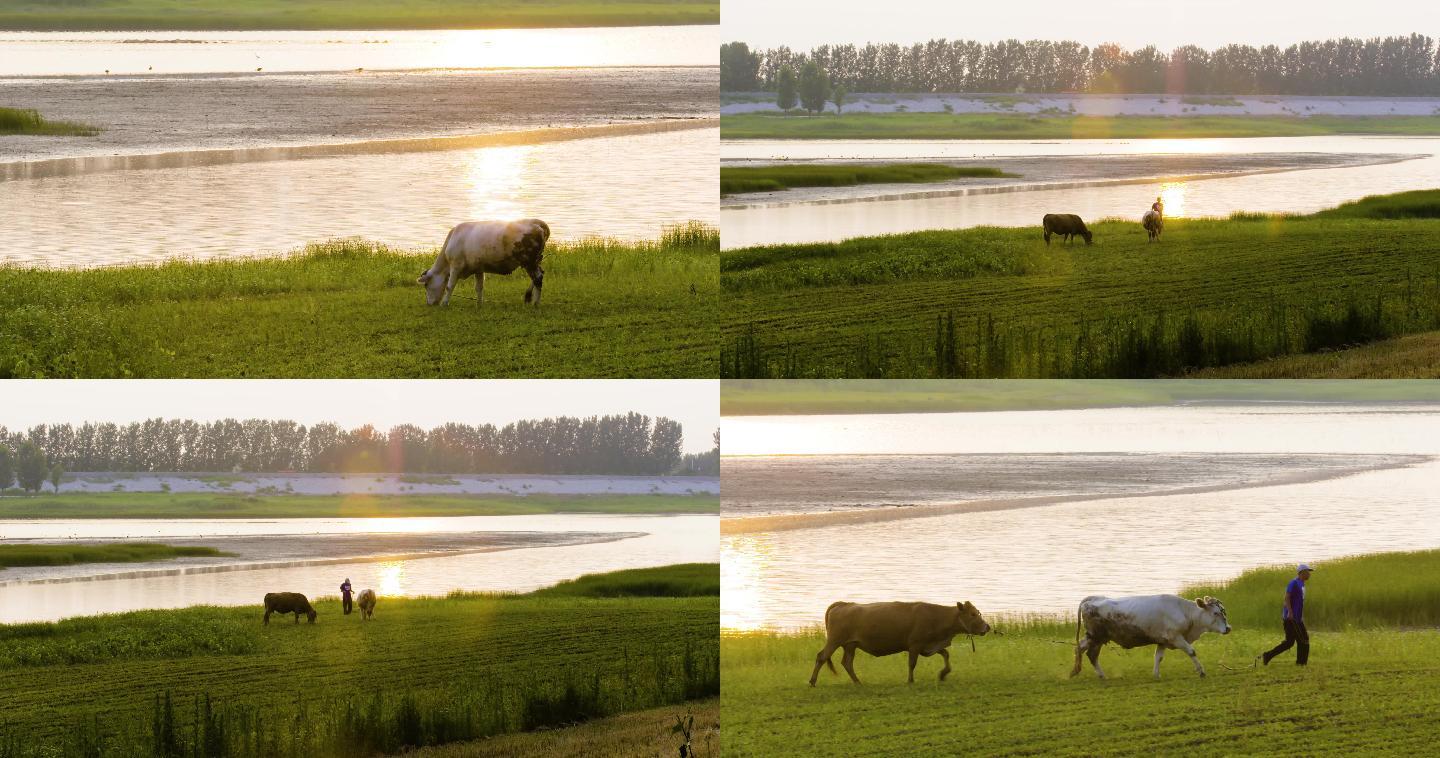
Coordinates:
[408,199]
[596,543]
[91,53]
[1300,191]
[1044,559]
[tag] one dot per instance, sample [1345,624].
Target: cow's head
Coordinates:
[1212,615]
[1089,238]
[968,618]
[434,282]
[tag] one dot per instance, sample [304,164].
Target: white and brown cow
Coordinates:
[1166,621]
[889,628]
[477,248]
[367,604]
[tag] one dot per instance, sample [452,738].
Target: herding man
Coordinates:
[1293,615]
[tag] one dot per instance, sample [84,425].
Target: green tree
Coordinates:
[57,472]
[7,467]
[785,86]
[814,88]
[31,469]
[837,96]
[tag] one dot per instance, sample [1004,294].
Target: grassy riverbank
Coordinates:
[741,179]
[165,505]
[818,396]
[25,121]
[68,555]
[999,302]
[216,15]
[429,671]
[991,126]
[352,308]
[1369,687]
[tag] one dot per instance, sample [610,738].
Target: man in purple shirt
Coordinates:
[345,595]
[1292,613]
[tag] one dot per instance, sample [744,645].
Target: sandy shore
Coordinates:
[390,484]
[788,522]
[151,114]
[1067,171]
[252,553]
[1109,105]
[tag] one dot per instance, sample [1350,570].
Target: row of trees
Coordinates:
[28,466]
[1378,66]
[629,444]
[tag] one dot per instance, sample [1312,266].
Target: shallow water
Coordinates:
[1043,559]
[95,53]
[1022,204]
[586,544]
[582,187]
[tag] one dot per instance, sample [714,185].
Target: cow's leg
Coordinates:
[848,661]
[537,283]
[945,671]
[1080,648]
[450,282]
[267,617]
[1094,655]
[1159,656]
[1047,238]
[479,288]
[1180,642]
[914,656]
[822,658]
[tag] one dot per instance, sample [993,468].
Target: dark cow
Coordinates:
[477,248]
[1154,223]
[288,602]
[888,628]
[1166,621]
[1066,225]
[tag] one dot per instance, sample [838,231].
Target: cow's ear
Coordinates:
[1200,601]
[424,275]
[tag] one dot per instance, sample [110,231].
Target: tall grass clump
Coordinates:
[1415,204]
[681,580]
[1380,591]
[126,552]
[741,179]
[28,121]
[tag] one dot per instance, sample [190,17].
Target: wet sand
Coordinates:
[1064,172]
[253,553]
[154,114]
[791,521]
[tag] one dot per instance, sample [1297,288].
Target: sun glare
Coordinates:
[392,578]
[743,560]
[495,178]
[1173,195]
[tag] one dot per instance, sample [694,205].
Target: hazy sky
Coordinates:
[803,24]
[426,403]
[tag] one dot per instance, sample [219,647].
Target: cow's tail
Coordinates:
[1079,621]
[831,660]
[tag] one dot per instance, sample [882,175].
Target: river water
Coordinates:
[1048,507]
[1092,178]
[395,557]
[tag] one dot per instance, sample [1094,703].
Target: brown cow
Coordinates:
[367,604]
[288,602]
[888,628]
[1065,225]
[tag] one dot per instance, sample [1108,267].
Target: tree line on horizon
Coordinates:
[1380,66]
[630,444]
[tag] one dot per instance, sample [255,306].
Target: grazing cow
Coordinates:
[1066,225]
[889,628]
[1154,223]
[288,602]
[367,604]
[1165,621]
[487,247]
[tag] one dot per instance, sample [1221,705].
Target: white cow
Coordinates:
[1165,621]
[487,247]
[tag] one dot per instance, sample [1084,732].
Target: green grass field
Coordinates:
[23,121]
[993,126]
[1414,356]
[215,681]
[644,733]
[164,505]
[999,302]
[744,397]
[349,308]
[1370,687]
[67,555]
[212,15]
[741,179]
